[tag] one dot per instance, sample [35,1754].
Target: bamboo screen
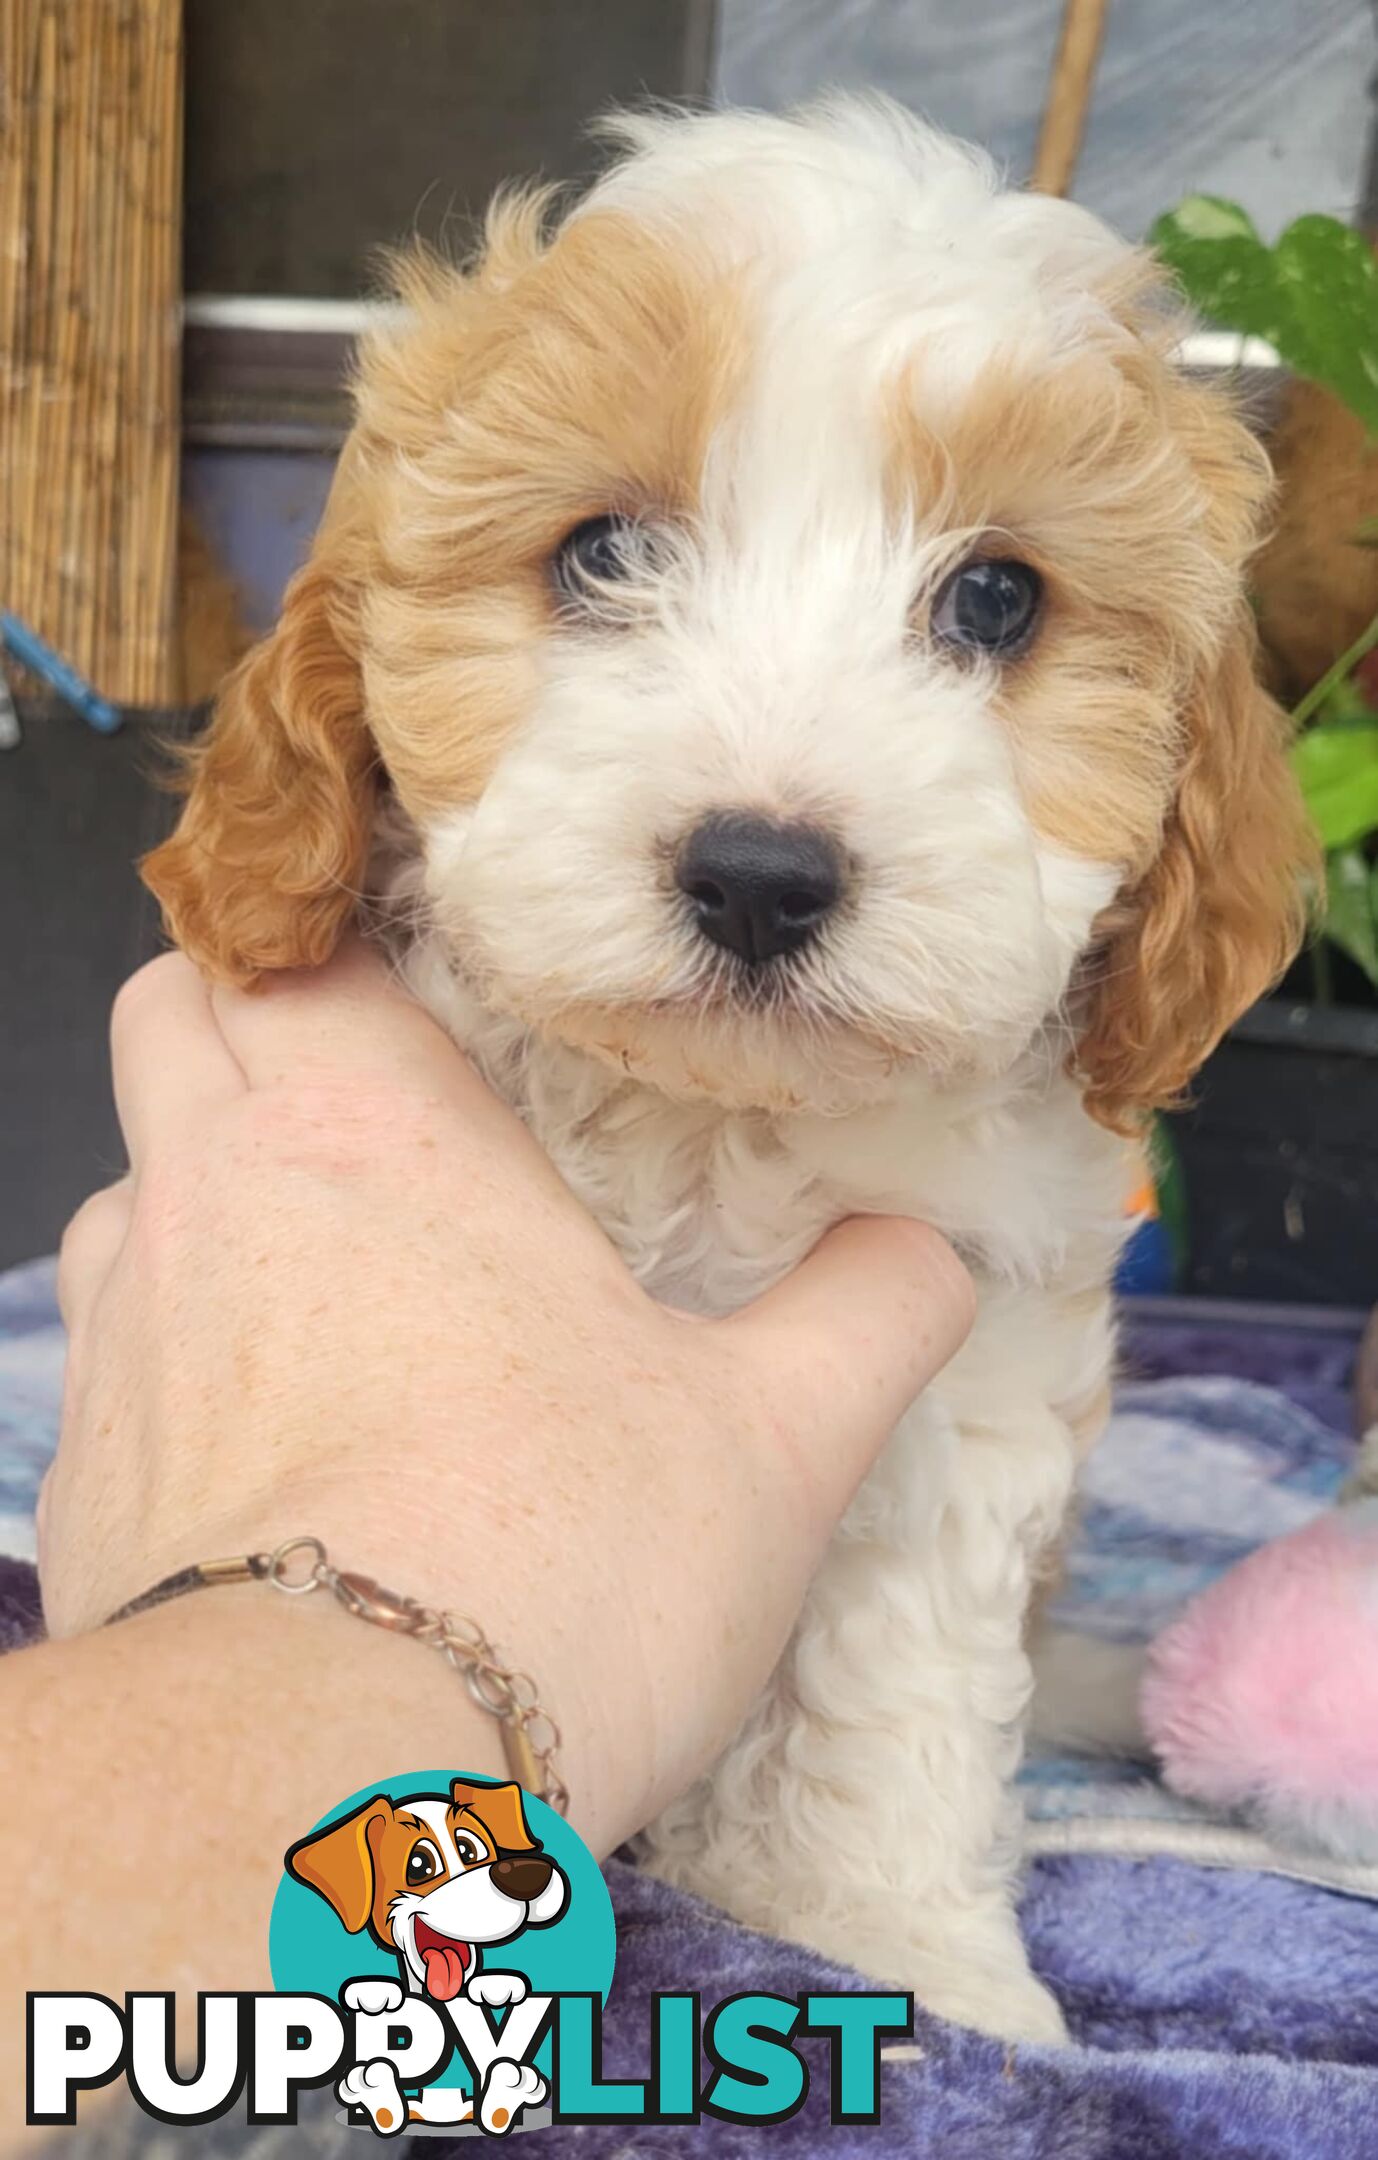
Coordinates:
[90,309]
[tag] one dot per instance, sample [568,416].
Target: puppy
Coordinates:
[776,658]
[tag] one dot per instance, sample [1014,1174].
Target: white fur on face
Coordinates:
[900,228]
[955,941]
[768,663]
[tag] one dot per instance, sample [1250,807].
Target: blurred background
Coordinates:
[190,196]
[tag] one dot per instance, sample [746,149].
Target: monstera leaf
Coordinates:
[1314,296]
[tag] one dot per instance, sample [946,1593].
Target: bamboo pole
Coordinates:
[90,284]
[1069,96]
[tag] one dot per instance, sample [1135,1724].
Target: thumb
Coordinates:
[843,1345]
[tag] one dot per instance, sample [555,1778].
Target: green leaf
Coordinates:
[1328,281]
[1314,296]
[1208,217]
[1337,765]
[1351,914]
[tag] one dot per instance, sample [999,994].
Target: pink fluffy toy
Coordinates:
[1263,1695]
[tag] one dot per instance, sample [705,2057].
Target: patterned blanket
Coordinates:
[1223,1994]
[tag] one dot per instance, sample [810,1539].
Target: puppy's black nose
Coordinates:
[758,889]
[524,1877]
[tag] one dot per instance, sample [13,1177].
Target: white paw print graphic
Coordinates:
[376,1998]
[508,2088]
[497,1988]
[374,2087]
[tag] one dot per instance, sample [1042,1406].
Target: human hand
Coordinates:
[342,1291]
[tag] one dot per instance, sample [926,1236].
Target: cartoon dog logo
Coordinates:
[437,1879]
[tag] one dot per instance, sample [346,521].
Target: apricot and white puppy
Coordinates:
[777,658]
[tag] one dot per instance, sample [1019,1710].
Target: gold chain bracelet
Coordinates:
[530,1736]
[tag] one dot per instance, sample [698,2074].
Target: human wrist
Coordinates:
[322,1704]
[413,1693]
[454,1550]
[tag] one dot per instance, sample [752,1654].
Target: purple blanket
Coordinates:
[1217,2014]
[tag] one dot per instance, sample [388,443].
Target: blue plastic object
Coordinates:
[31,652]
[1147,1267]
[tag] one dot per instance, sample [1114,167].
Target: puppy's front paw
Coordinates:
[497,1988]
[1029,2011]
[373,2086]
[507,2089]
[1009,2006]
[376,1998]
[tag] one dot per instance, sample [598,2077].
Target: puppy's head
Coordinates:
[435,1877]
[798,606]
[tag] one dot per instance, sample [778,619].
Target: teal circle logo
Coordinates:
[440,1883]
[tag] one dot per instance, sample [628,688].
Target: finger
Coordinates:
[844,1344]
[90,1245]
[169,1058]
[353,1015]
[352,1011]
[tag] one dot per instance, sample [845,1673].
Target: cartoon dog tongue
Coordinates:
[446,1962]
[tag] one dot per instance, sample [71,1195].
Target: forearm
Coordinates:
[175,1757]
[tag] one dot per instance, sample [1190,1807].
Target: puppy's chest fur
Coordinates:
[709,1207]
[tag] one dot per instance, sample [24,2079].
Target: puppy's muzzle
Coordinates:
[523,1876]
[758,889]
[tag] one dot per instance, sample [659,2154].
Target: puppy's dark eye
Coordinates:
[601,551]
[989,607]
[469,1850]
[423,1863]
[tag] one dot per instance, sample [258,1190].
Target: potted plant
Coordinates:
[1279,1150]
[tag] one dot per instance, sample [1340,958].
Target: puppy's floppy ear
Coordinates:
[337,1862]
[1221,909]
[499,1809]
[266,862]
